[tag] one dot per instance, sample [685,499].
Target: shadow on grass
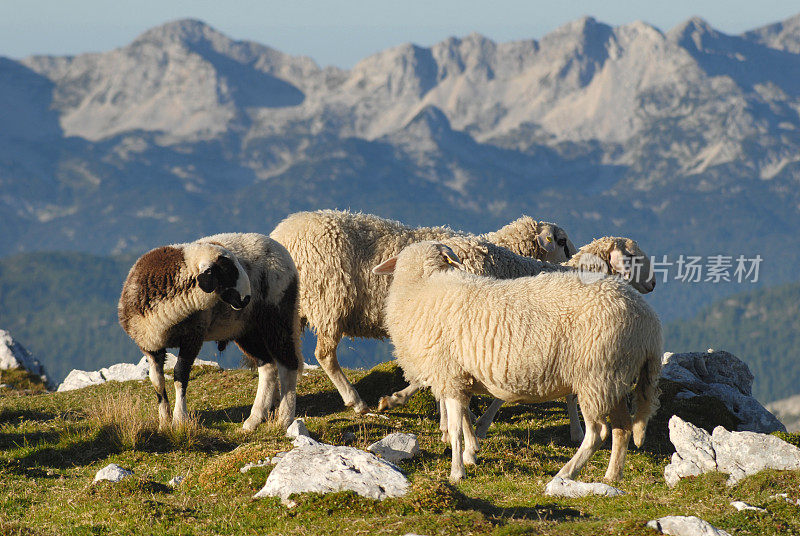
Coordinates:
[16,440]
[87,446]
[502,515]
[213,417]
[17,416]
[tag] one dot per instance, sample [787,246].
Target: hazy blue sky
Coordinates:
[340,32]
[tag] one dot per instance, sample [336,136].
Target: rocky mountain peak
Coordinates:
[692,34]
[182,31]
[784,35]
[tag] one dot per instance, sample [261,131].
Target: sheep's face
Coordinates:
[219,271]
[632,264]
[554,243]
[422,259]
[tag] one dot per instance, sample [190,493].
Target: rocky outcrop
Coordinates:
[121,372]
[723,376]
[739,454]
[14,356]
[318,467]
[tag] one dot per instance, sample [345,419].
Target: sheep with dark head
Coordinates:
[240,287]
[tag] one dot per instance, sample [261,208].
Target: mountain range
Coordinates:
[686,140]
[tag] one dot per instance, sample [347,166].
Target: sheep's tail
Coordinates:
[646,395]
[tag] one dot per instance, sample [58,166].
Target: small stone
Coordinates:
[112,472]
[396,447]
[685,526]
[564,487]
[740,505]
[296,429]
[176,481]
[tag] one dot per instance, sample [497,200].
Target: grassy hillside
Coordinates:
[51,445]
[762,327]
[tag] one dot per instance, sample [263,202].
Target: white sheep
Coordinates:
[335,251]
[240,287]
[531,339]
[608,255]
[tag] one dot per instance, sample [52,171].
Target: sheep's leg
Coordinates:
[486,420]
[183,367]
[325,353]
[399,398]
[286,409]
[621,425]
[443,421]
[267,383]
[575,430]
[456,416]
[471,444]
[156,360]
[591,442]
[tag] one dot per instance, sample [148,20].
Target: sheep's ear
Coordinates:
[207,280]
[546,241]
[386,267]
[619,263]
[452,259]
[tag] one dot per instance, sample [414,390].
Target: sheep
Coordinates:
[240,287]
[334,252]
[530,339]
[607,255]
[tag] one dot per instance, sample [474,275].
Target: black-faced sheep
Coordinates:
[240,287]
[531,339]
[335,251]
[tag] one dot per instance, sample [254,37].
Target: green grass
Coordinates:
[51,445]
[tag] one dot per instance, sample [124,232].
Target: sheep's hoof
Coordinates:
[251,424]
[456,476]
[383,403]
[360,407]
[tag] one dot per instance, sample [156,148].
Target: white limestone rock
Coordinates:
[297,428]
[741,505]
[112,472]
[176,481]
[14,356]
[396,447]
[78,379]
[685,526]
[564,487]
[322,468]
[723,376]
[121,372]
[739,454]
